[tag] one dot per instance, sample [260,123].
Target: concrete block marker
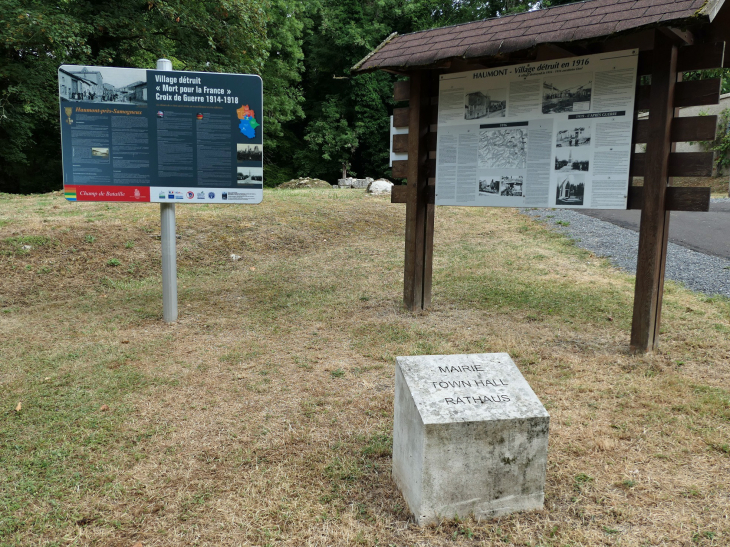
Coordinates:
[470,437]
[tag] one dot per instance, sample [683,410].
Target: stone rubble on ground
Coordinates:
[350,182]
[380,187]
[306,182]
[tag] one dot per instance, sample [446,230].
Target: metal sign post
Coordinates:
[169,245]
[161,136]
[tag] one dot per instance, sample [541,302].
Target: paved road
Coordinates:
[707,233]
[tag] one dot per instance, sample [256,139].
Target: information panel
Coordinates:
[161,136]
[542,134]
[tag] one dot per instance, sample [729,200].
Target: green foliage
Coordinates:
[282,71]
[721,144]
[722,73]
[317,114]
[36,36]
[347,115]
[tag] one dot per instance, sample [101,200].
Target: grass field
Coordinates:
[264,415]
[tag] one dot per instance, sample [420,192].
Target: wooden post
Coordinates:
[419,213]
[654,229]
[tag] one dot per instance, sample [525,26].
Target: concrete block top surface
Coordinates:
[469,388]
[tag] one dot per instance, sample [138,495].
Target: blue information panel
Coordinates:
[161,136]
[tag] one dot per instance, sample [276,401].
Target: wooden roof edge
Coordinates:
[710,11]
[713,7]
[384,43]
[685,23]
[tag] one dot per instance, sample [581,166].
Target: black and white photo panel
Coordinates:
[95,84]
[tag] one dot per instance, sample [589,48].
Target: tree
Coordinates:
[282,69]
[347,115]
[36,36]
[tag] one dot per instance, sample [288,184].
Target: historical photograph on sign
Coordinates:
[503,148]
[505,185]
[90,154]
[574,134]
[491,103]
[249,175]
[100,152]
[102,84]
[570,93]
[570,190]
[249,152]
[568,159]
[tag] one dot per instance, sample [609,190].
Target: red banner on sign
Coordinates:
[139,194]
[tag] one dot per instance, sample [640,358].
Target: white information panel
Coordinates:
[542,134]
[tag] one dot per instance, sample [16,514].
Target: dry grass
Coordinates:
[264,415]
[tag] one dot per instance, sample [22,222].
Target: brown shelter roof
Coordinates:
[567,23]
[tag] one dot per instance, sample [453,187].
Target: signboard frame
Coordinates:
[159,136]
[552,133]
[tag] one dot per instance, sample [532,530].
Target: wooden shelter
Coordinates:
[672,36]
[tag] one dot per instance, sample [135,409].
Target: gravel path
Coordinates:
[699,272]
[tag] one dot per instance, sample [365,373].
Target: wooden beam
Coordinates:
[402,90]
[720,26]
[677,198]
[678,36]
[400,144]
[696,57]
[399,194]
[642,40]
[400,117]
[419,214]
[547,52]
[431,139]
[400,167]
[693,93]
[654,228]
[681,164]
[645,64]
[701,57]
[691,128]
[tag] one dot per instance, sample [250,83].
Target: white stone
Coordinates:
[361,183]
[350,182]
[470,437]
[380,187]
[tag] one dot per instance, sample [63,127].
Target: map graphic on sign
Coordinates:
[248,122]
[503,148]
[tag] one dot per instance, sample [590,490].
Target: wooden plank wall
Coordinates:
[664,64]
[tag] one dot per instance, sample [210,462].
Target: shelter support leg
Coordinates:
[419,212]
[654,229]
